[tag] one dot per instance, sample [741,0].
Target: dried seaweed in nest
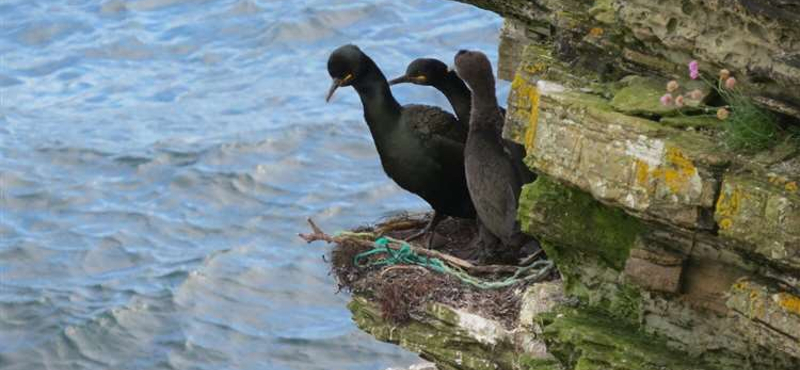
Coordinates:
[403,291]
[398,300]
[395,302]
[342,266]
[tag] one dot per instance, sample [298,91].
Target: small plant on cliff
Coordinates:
[746,126]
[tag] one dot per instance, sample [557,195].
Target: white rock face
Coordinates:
[482,329]
[549,87]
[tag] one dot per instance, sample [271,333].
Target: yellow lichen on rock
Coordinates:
[790,303]
[528,95]
[534,68]
[676,172]
[791,187]
[729,203]
[755,302]
[679,170]
[596,32]
[757,212]
[642,169]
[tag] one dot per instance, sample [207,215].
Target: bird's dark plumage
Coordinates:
[491,177]
[421,147]
[433,72]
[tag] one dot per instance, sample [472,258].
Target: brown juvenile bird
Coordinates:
[492,180]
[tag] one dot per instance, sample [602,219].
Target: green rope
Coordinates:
[406,256]
[542,268]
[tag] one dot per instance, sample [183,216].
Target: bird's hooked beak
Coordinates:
[400,80]
[335,85]
[406,79]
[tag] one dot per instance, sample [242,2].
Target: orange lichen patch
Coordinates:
[521,90]
[596,32]
[527,95]
[729,202]
[790,303]
[534,68]
[642,169]
[677,171]
[789,186]
[757,302]
[776,179]
[681,172]
[725,223]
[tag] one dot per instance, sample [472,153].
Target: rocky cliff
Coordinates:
[675,251]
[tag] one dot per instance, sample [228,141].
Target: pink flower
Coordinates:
[666,100]
[672,86]
[730,83]
[722,114]
[696,94]
[694,69]
[679,101]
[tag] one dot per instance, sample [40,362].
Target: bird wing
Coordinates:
[429,122]
[512,195]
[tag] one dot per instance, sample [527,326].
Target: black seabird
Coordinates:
[433,72]
[421,147]
[493,182]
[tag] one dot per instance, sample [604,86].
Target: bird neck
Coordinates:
[484,106]
[381,110]
[457,93]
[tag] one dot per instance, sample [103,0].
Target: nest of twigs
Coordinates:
[403,291]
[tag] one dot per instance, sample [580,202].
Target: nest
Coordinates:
[403,291]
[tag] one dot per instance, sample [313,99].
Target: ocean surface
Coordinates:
[158,158]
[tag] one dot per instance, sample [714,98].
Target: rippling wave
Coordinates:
[158,157]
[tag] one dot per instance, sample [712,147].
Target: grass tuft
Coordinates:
[749,128]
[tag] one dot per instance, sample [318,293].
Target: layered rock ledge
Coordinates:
[675,252]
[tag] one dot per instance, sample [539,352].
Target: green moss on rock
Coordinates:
[439,336]
[641,96]
[603,11]
[527,363]
[586,340]
[574,219]
[588,241]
